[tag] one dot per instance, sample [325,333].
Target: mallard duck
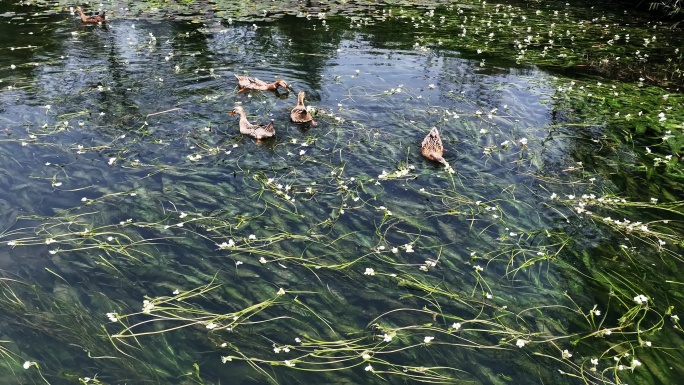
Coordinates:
[250,83]
[300,114]
[432,147]
[95,19]
[257,131]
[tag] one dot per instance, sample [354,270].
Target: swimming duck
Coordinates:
[257,131]
[250,83]
[95,19]
[432,147]
[300,114]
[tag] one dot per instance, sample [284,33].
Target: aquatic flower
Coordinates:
[176,292]
[111,161]
[369,271]
[488,295]
[113,317]
[635,363]
[428,339]
[566,354]
[13,66]
[49,241]
[183,215]
[520,342]
[262,260]
[302,152]
[431,86]
[225,359]
[369,368]
[479,268]
[386,337]
[408,247]
[147,307]
[641,299]
[594,361]
[289,363]
[252,237]
[456,326]
[281,291]
[28,364]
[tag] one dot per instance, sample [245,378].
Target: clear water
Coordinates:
[137,145]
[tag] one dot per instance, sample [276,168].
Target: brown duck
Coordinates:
[432,147]
[250,83]
[300,114]
[258,131]
[95,19]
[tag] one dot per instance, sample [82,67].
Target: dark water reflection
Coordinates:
[131,122]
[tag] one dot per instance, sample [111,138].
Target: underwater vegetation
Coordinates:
[490,194]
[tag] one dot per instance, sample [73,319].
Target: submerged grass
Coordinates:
[337,251]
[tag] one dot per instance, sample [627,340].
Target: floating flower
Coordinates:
[113,317]
[369,271]
[641,299]
[566,354]
[28,364]
[428,339]
[252,237]
[456,326]
[409,248]
[281,291]
[520,342]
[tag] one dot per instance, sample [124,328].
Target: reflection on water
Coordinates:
[121,159]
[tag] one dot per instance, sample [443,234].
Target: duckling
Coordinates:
[300,114]
[250,83]
[432,147]
[95,19]
[257,131]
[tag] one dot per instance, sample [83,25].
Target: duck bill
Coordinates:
[231,113]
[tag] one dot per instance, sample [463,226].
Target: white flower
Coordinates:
[298,340]
[289,363]
[395,250]
[428,339]
[478,268]
[635,363]
[112,317]
[431,86]
[386,337]
[211,325]
[111,161]
[176,292]
[369,368]
[594,361]
[641,299]
[302,152]
[147,307]
[566,354]
[49,241]
[488,295]
[281,291]
[369,271]
[520,342]
[262,260]
[409,248]
[225,359]
[366,356]
[11,243]
[456,326]
[28,364]
[252,236]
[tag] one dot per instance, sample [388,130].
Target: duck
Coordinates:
[95,19]
[250,83]
[432,147]
[300,114]
[258,131]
